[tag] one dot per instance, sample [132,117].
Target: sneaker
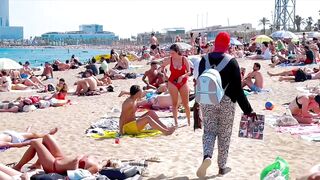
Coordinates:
[201,173]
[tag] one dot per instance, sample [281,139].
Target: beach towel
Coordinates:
[305,132]
[108,128]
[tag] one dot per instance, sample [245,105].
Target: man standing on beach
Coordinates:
[153,42]
[131,125]
[218,119]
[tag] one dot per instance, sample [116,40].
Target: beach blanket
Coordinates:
[248,92]
[291,64]
[308,90]
[108,127]
[306,132]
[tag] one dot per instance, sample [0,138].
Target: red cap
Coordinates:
[222,42]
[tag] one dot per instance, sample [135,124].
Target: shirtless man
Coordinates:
[130,124]
[153,42]
[258,83]
[123,63]
[152,74]
[47,71]
[90,83]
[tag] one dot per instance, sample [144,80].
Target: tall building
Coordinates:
[4,13]
[8,32]
[87,34]
[91,28]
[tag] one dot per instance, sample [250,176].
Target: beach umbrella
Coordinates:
[184,46]
[284,35]
[261,39]
[8,64]
[234,41]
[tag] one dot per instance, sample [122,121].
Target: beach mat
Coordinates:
[108,127]
[305,132]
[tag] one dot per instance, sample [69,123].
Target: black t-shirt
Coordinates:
[230,76]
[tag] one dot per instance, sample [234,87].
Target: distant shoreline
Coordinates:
[61,47]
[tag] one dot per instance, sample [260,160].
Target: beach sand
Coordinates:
[180,153]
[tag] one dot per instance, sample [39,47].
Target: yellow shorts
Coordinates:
[131,128]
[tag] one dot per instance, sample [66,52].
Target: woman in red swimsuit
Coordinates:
[52,160]
[177,82]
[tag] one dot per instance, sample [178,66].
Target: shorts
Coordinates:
[153,46]
[131,128]
[254,88]
[294,72]
[15,136]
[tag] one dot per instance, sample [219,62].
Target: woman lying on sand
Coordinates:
[10,139]
[52,159]
[302,106]
[9,173]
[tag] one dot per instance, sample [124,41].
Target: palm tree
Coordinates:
[298,21]
[309,22]
[264,21]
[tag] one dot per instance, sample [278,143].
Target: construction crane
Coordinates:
[284,14]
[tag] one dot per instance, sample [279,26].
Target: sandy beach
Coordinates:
[180,153]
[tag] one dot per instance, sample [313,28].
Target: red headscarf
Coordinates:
[222,42]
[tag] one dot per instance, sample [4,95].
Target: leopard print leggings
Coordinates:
[218,121]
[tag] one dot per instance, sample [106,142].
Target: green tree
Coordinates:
[309,22]
[298,21]
[264,21]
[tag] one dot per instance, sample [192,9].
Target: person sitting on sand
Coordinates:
[47,71]
[130,124]
[5,82]
[255,74]
[87,84]
[154,77]
[123,62]
[266,53]
[10,139]
[62,90]
[52,159]
[26,70]
[94,67]
[302,106]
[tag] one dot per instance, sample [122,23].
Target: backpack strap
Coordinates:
[207,63]
[224,62]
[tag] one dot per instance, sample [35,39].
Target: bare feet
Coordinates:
[36,165]
[53,131]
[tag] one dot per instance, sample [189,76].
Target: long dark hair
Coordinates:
[175,48]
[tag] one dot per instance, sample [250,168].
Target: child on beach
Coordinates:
[131,125]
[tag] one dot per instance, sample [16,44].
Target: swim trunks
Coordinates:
[254,88]
[131,128]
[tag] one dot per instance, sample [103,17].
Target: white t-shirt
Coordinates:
[267,54]
[5,84]
[195,61]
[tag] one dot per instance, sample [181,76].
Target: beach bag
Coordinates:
[252,126]
[300,76]
[209,88]
[279,170]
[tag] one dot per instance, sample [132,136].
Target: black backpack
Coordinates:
[300,76]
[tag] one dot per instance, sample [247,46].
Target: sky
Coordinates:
[126,18]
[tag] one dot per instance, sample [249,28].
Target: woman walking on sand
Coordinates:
[178,81]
